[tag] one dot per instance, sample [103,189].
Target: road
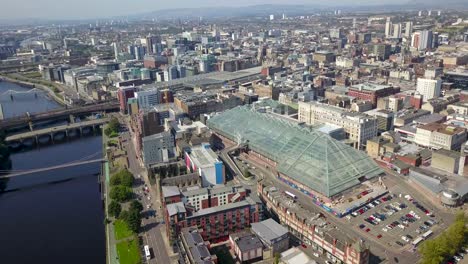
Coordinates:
[152,227]
[383,253]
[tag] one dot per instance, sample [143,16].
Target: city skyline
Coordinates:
[87,9]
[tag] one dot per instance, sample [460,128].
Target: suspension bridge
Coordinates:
[86,160]
[33,91]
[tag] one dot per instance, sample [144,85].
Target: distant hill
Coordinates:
[290,10]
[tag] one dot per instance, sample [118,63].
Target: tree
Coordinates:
[114,209]
[120,193]
[123,177]
[136,206]
[439,249]
[132,219]
[124,215]
[112,127]
[126,178]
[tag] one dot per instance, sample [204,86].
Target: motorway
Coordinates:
[153,227]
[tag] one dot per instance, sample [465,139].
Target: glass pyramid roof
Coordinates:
[303,154]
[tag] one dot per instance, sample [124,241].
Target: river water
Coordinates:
[54,216]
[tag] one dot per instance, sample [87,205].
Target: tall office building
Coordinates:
[272,17]
[131,50]
[388,27]
[425,41]
[284,16]
[336,33]
[415,39]
[151,41]
[428,88]
[397,30]
[429,13]
[420,13]
[409,29]
[181,71]
[171,73]
[354,23]
[435,40]
[116,50]
[140,52]
[439,13]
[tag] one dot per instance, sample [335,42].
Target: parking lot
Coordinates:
[396,220]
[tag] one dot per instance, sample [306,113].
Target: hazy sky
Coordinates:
[72,9]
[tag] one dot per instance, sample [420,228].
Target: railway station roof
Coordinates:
[302,153]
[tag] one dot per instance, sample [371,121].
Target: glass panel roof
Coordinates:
[304,154]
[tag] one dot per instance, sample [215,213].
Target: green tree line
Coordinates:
[121,184]
[112,128]
[445,246]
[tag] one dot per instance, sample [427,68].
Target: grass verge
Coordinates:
[121,230]
[128,252]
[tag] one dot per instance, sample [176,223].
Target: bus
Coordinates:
[417,241]
[147,252]
[290,194]
[428,233]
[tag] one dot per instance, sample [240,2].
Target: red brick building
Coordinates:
[328,239]
[371,92]
[217,211]
[125,93]
[216,222]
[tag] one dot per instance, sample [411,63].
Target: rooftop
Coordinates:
[221,208]
[269,230]
[169,191]
[248,242]
[296,256]
[175,208]
[442,128]
[197,247]
[370,87]
[306,155]
[203,156]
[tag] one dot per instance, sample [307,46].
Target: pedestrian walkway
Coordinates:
[112,257]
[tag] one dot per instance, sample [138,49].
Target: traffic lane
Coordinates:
[378,247]
[151,229]
[152,225]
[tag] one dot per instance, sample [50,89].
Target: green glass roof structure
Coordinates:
[303,154]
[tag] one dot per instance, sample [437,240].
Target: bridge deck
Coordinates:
[56,129]
[57,113]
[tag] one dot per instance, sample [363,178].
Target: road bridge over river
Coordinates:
[19,121]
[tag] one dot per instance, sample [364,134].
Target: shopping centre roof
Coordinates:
[306,155]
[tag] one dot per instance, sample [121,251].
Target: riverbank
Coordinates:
[111,247]
[29,84]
